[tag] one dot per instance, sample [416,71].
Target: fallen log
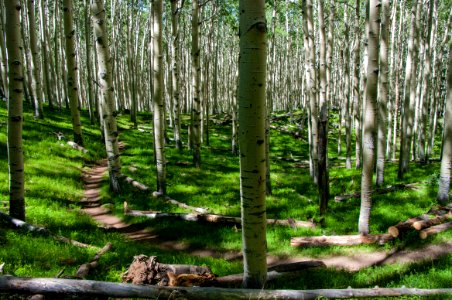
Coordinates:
[135,183]
[145,188]
[273,273]
[147,270]
[77,146]
[212,218]
[59,287]
[340,240]
[84,269]
[379,191]
[401,227]
[419,225]
[423,234]
[16,223]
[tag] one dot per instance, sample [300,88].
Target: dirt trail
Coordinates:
[357,260]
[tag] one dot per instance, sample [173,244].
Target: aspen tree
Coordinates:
[15,110]
[72,76]
[391,102]
[311,79]
[106,85]
[383,93]
[4,62]
[159,117]
[196,84]
[89,67]
[423,155]
[323,178]
[410,94]
[251,96]
[348,106]
[370,116]
[36,62]
[175,54]
[45,53]
[446,159]
[356,87]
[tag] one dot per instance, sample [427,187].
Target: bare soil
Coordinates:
[354,261]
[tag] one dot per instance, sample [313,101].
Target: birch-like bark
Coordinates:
[311,85]
[383,92]
[15,110]
[36,61]
[159,105]
[348,106]
[323,178]
[426,83]
[196,84]
[106,104]
[410,97]
[446,159]
[4,62]
[370,116]
[252,92]
[89,67]
[175,53]
[45,54]
[72,77]
[356,88]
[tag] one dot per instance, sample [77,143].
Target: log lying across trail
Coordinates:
[340,240]
[16,223]
[145,188]
[212,218]
[273,273]
[64,287]
[380,191]
[423,234]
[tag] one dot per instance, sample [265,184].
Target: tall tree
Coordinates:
[356,88]
[252,93]
[15,109]
[72,71]
[175,54]
[410,95]
[383,92]
[36,61]
[370,116]
[446,159]
[323,180]
[159,108]
[89,67]
[196,84]
[107,106]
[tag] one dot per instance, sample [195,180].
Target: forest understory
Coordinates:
[60,195]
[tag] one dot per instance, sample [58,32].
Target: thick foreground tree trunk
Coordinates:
[56,286]
[15,110]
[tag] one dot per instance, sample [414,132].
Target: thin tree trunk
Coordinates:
[323,178]
[356,88]
[15,110]
[45,54]
[36,62]
[410,95]
[175,53]
[446,159]
[107,106]
[383,92]
[370,116]
[159,105]
[71,61]
[196,83]
[252,92]
[89,67]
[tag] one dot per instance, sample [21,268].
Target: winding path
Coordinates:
[357,260]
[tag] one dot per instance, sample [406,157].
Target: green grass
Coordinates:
[54,189]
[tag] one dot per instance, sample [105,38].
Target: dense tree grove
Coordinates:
[378,71]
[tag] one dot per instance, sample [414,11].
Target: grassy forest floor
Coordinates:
[54,191]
